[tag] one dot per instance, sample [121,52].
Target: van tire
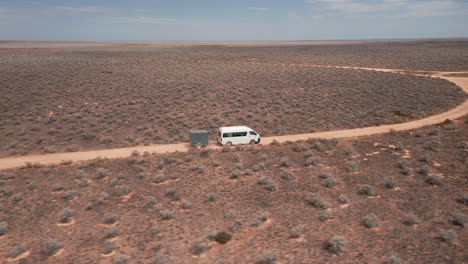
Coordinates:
[252,142]
[229,143]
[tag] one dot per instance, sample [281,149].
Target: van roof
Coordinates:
[234,129]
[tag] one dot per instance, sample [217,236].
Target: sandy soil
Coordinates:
[457,112]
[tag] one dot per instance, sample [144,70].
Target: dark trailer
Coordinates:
[199,138]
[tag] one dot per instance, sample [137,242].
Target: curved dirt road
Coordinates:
[454,113]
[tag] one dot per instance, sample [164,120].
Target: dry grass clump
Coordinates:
[269,257]
[66,215]
[449,236]
[3,228]
[410,220]
[16,250]
[368,190]
[268,183]
[433,180]
[335,244]
[51,247]
[317,201]
[370,221]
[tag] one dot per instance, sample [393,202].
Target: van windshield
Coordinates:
[252,133]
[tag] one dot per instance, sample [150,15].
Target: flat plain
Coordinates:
[399,197]
[60,97]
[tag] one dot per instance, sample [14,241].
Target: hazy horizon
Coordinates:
[209,20]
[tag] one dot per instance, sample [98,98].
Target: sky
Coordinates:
[231,20]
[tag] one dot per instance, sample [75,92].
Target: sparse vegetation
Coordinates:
[368,190]
[410,220]
[370,221]
[50,247]
[3,228]
[16,250]
[434,180]
[66,215]
[268,183]
[449,236]
[336,244]
[269,257]
[317,201]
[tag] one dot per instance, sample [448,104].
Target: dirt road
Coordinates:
[457,112]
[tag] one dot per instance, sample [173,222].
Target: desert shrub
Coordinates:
[433,180]
[459,219]
[269,257]
[312,161]
[449,236]
[16,250]
[325,175]
[197,168]
[405,166]
[463,198]
[433,144]
[299,147]
[120,259]
[410,220]
[370,221]
[296,231]
[50,247]
[393,259]
[111,232]
[317,201]
[268,183]
[343,199]
[185,204]
[101,173]
[235,226]
[158,259]
[158,178]
[66,215]
[216,163]
[110,218]
[6,176]
[69,195]
[260,219]
[425,170]
[167,214]
[325,216]
[352,166]
[3,227]
[57,187]
[463,145]
[284,162]
[222,237]
[157,246]
[336,244]
[17,197]
[330,182]
[424,157]
[389,182]
[286,174]
[367,189]
[204,153]
[109,247]
[122,190]
[198,247]
[31,186]
[235,174]
[171,193]
[212,197]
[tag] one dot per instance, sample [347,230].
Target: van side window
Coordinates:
[227,135]
[252,133]
[243,134]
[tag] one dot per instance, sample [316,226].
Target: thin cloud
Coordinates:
[393,8]
[154,20]
[258,8]
[84,9]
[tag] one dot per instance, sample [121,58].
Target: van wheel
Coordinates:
[252,142]
[229,143]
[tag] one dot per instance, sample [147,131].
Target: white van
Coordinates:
[235,135]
